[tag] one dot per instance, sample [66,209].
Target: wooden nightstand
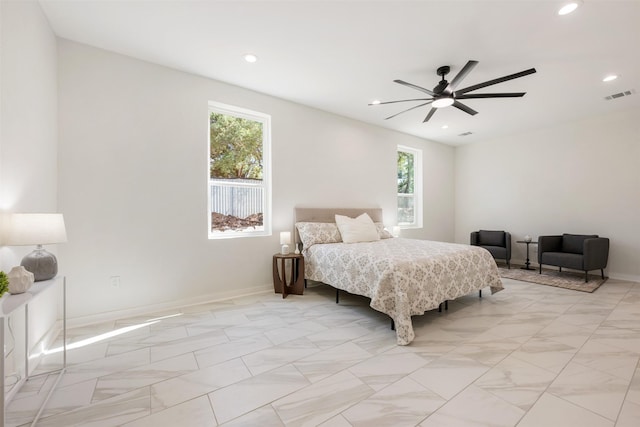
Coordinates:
[295,284]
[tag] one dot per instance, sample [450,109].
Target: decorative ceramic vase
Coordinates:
[297,251]
[527,238]
[20,280]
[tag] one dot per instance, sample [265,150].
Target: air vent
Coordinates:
[465,133]
[620,94]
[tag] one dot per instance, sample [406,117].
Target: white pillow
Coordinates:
[360,229]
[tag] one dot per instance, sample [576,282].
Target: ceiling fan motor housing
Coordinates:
[438,90]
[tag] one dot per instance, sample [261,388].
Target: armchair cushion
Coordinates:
[491,238]
[549,244]
[497,252]
[563,259]
[574,243]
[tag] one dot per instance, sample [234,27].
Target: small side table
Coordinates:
[295,285]
[527,263]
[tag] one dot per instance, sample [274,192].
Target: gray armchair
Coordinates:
[498,243]
[575,251]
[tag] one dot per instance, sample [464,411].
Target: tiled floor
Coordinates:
[529,356]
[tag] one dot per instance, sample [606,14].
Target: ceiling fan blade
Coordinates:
[426,119]
[492,95]
[403,100]
[461,106]
[421,89]
[495,81]
[470,65]
[408,109]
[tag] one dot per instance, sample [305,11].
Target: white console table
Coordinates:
[8,305]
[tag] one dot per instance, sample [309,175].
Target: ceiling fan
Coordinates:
[445,93]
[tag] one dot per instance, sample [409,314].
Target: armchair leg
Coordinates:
[560,269]
[602,273]
[509,264]
[586,276]
[480,293]
[540,268]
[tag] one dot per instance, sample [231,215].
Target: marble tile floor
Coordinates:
[530,356]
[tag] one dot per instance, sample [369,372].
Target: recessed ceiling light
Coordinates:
[610,78]
[445,126]
[375,102]
[567,8]
[250,57]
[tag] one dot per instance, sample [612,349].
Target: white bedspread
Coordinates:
[403,277]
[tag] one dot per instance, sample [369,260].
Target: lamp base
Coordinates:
[41,263]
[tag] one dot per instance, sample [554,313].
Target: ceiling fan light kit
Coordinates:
[445,93]
[442,102]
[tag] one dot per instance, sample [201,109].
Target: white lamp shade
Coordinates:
[34,229]
[285,237]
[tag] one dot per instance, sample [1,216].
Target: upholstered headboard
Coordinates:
[328,215]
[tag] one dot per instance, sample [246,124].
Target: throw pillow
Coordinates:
[360,229]
[312,233]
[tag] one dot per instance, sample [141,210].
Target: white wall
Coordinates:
[28,152]
[580,177]
[28,134]
[133,181]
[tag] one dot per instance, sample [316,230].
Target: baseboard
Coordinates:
[147,309]
[625,277]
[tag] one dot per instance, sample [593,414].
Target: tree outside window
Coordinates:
[236,147]
[408,182]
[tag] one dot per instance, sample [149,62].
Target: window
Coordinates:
[409,187]
[239,172]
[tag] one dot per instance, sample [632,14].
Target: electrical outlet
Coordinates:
[115,281]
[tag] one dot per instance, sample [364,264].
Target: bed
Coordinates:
[402,277]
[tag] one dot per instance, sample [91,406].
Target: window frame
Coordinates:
[417,186]
[265,119]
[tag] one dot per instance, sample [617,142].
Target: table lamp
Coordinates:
[285,241]
[36,229]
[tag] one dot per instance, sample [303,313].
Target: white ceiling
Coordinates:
[338,56]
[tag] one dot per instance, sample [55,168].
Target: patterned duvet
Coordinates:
[403,277]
